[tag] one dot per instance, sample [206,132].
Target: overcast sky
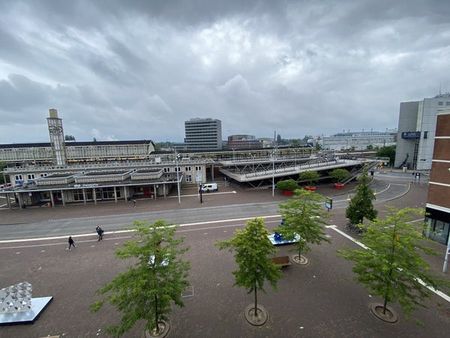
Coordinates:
[119,70]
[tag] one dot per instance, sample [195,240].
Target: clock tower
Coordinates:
[56,132]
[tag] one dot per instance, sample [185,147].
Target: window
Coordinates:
[198,168]
[188,178]
[187,169]
[43,175]
[440,103]
[19,178]
[425,134]
[30,176]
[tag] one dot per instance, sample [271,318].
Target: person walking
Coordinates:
[71,243]
[99,233]
[134,203]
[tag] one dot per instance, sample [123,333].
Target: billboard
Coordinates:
[411,135]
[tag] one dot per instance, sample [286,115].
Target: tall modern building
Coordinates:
[416,131]
[438,202]
[203,134]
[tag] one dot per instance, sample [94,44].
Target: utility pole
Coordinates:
[177,168]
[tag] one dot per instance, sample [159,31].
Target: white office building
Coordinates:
[416,131]
[358,140]
[203,134]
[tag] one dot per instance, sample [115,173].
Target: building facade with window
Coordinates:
[358,140]
[203,134]
[438,201]
[416,131]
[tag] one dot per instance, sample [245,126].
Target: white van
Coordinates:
[207,187]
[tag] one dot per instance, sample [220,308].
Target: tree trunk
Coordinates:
[385,304]
[256,302]
[390,270]
[156,314]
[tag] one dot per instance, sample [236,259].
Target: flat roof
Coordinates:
[74,143]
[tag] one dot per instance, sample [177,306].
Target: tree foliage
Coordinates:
[310,176]
[388,151]
[340,174]
[147,289]
[392,267]
[303,215]
[252,251]
[361,205]
[290,185]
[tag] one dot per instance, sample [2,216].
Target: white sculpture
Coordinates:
[16,298]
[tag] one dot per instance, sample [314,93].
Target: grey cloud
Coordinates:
[138,69]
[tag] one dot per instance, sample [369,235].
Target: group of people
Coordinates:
[99,231]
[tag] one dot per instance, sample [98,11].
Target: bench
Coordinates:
[281,261]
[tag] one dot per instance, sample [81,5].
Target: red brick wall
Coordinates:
[437,194]
[443,125]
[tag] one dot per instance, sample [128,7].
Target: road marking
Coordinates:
[123,237]
[437,292]
[132,230]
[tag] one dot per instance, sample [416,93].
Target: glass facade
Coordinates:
[437,230]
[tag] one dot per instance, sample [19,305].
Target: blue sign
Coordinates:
[411,135]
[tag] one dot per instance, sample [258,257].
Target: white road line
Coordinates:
[437,292]
[131,230]
[123,237]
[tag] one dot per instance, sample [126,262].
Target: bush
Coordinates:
[289,185]
[339,174]
[309,176]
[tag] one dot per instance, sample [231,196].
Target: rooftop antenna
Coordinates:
[440,88]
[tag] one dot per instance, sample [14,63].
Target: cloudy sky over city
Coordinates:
[119,70]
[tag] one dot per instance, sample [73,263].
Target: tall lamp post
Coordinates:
[273,172]
[177,157]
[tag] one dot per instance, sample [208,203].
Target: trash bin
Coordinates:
[404,169]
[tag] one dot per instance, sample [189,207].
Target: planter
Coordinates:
[261,315]
[310,188]
[287,192]
[390,316]
[339,185]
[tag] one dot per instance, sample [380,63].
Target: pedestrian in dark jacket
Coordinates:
[71,243]
[99,232]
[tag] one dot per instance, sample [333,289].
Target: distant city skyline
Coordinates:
[138,69]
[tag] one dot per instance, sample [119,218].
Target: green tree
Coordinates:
[388,151]
[290,185]
[340,174]
[392,266]
[252,252]
[309,176]
[145,291]
[361,205]
[303,216]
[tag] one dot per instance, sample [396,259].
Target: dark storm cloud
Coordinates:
[137,69]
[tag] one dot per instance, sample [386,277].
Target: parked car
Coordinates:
[207,187]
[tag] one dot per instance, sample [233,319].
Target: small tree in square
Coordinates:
[391,266]
[361,205]
[252,251]
[304,217]
[147,289]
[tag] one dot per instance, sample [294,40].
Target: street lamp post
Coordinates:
[178,175]
[273,173]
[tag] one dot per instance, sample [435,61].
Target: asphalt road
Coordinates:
[80,225]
